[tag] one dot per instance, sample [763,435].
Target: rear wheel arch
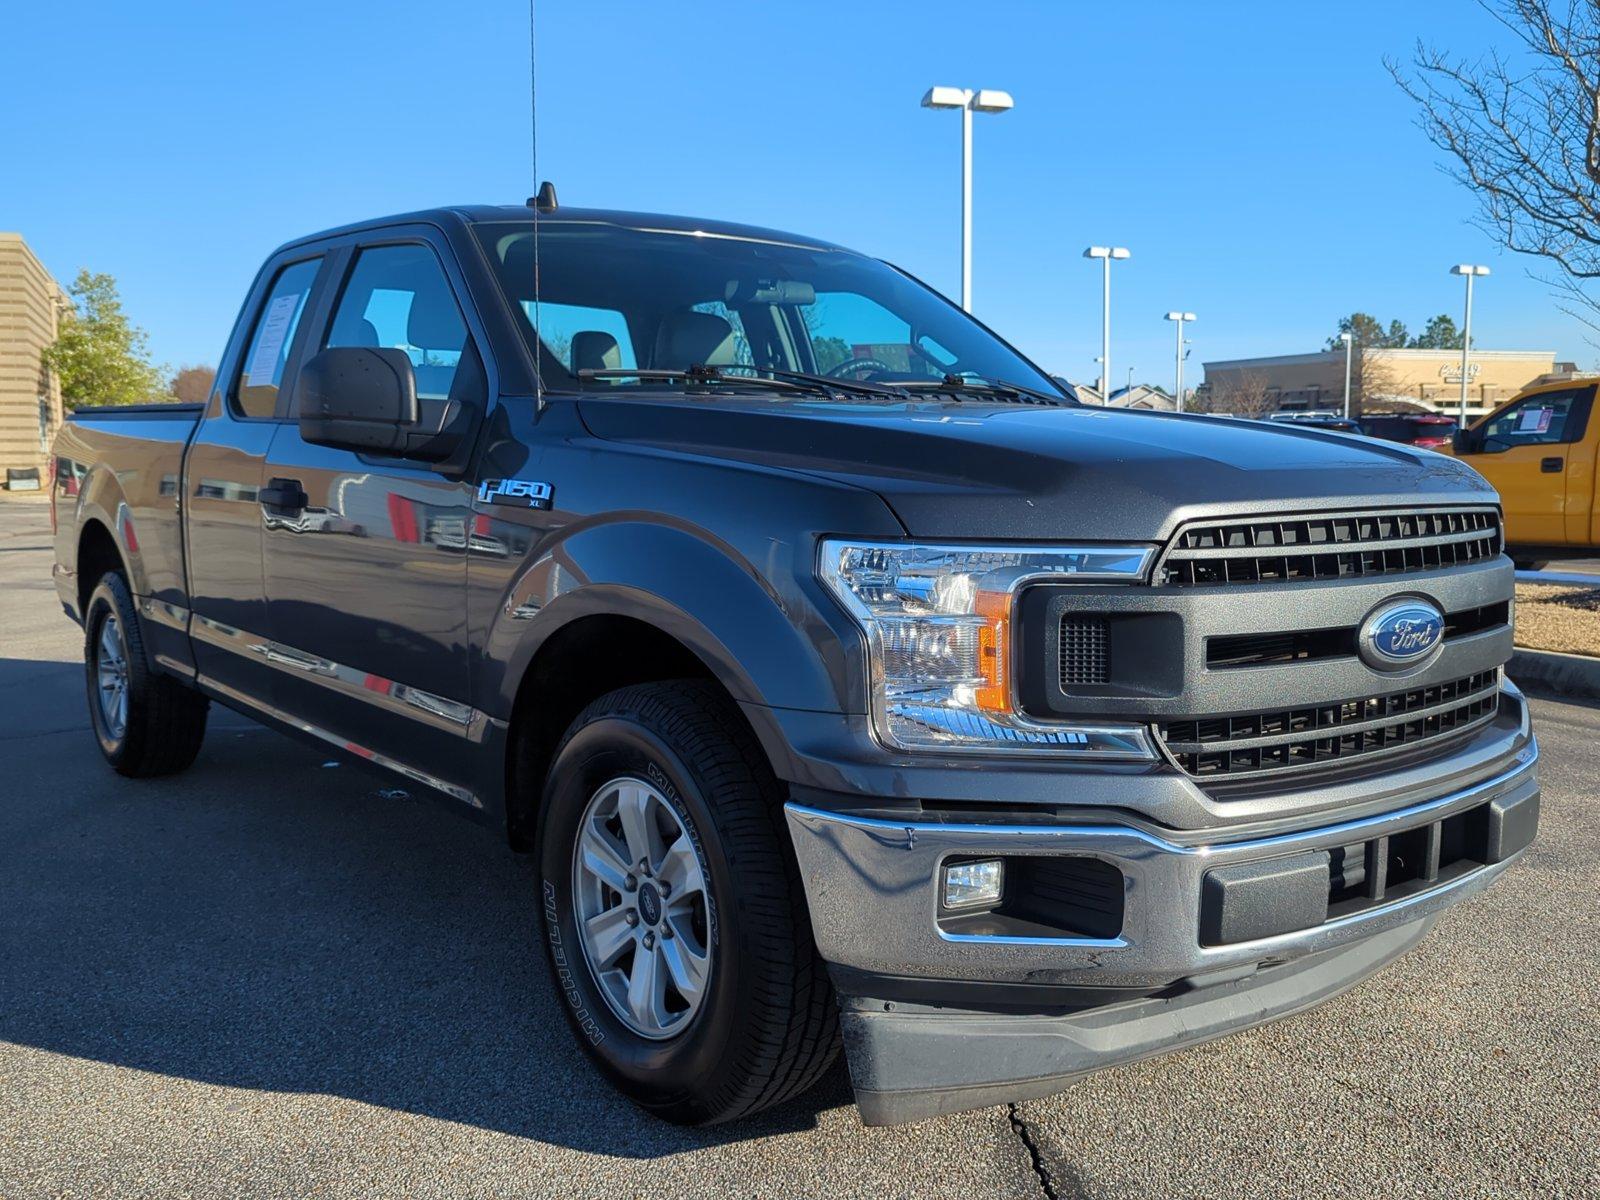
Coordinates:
[98,553]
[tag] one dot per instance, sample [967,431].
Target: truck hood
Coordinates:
[976,471]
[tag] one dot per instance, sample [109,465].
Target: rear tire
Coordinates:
[1530,564]
[147,723]
[743,1015]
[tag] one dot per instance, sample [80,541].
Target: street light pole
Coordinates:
[966,207]
[1105,254]
[1347,339]
[1471,271]
[1178,318]
[969,102]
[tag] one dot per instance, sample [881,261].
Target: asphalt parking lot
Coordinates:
[271,976]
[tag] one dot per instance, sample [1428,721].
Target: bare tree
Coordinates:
[1372,382]
[1245,396]
[1523,132]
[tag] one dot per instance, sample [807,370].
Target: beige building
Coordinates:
[30,398]
[1431,378]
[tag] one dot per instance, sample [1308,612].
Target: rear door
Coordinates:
[222,480]
[1531,451]
[365,567]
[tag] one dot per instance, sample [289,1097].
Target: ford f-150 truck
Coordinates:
[852,685]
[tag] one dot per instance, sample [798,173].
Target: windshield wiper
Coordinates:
[696,374]
[693,375]
[985,387]
[862,386]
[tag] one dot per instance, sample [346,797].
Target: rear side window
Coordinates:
[397,297]
[255,391]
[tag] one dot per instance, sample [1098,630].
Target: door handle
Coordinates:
[283,494]
[1551,466]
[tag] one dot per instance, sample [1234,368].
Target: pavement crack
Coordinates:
[1040,1170]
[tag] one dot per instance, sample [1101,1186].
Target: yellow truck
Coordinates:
[1539,451]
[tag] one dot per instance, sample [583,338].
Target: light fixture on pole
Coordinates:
[1179,318]
[968,101]
[1105,254]
[1347,339]
[1471,271]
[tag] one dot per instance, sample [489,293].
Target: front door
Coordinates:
[222,486]
[365,556]
[1527,450]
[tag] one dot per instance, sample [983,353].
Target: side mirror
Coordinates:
[1464,441]
[359,398]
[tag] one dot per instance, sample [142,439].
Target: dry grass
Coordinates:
[1560,617]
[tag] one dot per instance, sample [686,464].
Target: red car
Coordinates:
[1415,429]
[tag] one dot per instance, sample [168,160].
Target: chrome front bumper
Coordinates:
[872,886]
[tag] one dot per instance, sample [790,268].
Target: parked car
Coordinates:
[1426,430]
[850,684]
[1541,452]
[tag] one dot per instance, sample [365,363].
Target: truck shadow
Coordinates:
[269,921]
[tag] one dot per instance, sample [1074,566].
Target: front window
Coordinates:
[1547,419]
[613,298]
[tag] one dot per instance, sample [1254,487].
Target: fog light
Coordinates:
[973,884]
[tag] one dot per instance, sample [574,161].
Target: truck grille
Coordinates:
[1322,734]
[1328,546]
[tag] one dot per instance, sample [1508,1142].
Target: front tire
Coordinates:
[674,915]
[147,724]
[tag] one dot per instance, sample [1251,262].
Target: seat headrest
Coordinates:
[366,333]
[688,337]
[594,350]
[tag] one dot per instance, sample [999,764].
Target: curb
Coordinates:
[1571,675]
[1568,578]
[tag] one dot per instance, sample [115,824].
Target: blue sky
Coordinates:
[1257,158]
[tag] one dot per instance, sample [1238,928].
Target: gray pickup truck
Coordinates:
[853,685]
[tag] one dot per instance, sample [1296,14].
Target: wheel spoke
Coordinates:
[680,868]
[645,992]
[111,647]
[687,967]
[638,823]
[609,935]
[603,858]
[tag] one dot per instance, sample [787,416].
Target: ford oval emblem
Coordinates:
[1402,635]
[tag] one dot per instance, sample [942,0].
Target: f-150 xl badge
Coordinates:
[529,493]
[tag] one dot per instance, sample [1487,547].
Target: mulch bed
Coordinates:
[1563,617]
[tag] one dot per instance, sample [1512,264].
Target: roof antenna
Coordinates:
[545,201]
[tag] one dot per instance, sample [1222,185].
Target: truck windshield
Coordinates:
[613,298]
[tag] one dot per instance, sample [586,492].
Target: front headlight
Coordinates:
[938,627]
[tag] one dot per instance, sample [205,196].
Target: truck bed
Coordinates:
[121,468]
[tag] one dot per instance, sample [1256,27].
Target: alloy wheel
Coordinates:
[642,908]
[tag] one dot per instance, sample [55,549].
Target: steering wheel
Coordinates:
[855,366]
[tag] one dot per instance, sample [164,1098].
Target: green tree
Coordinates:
[1369,333]
[1441,334]
[830,352]
[99,355]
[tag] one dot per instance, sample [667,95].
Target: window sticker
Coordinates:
[1535,420]
[263,369]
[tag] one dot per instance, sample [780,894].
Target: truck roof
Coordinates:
[468,214]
